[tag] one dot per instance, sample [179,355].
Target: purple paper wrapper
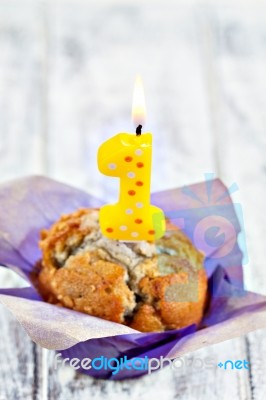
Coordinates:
[204,211]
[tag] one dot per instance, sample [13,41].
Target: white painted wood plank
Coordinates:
[94,55]
[21,86]
[17,361]
[237,42]
[21,152]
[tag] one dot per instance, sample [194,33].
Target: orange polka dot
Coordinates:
[138,221]
[151,232]
[109,230]
[128,159]
[140,164]
[139,183]
[131,192]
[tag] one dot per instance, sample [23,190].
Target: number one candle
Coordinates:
[128,157]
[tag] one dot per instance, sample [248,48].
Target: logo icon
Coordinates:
[215,226]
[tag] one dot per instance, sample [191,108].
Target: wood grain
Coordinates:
[239,62]
[21,153]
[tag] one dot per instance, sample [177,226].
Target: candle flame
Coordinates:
[138,103]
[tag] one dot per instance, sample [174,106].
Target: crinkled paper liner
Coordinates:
[204,211]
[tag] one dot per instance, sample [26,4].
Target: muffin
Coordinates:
[149,286]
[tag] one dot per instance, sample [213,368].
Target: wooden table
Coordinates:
[66,79]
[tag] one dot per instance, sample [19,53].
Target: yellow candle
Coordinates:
[128,157]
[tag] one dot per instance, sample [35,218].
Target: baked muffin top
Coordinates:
[143,284]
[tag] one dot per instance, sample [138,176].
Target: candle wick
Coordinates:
[138,130]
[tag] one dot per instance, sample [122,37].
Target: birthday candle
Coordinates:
[128,157]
